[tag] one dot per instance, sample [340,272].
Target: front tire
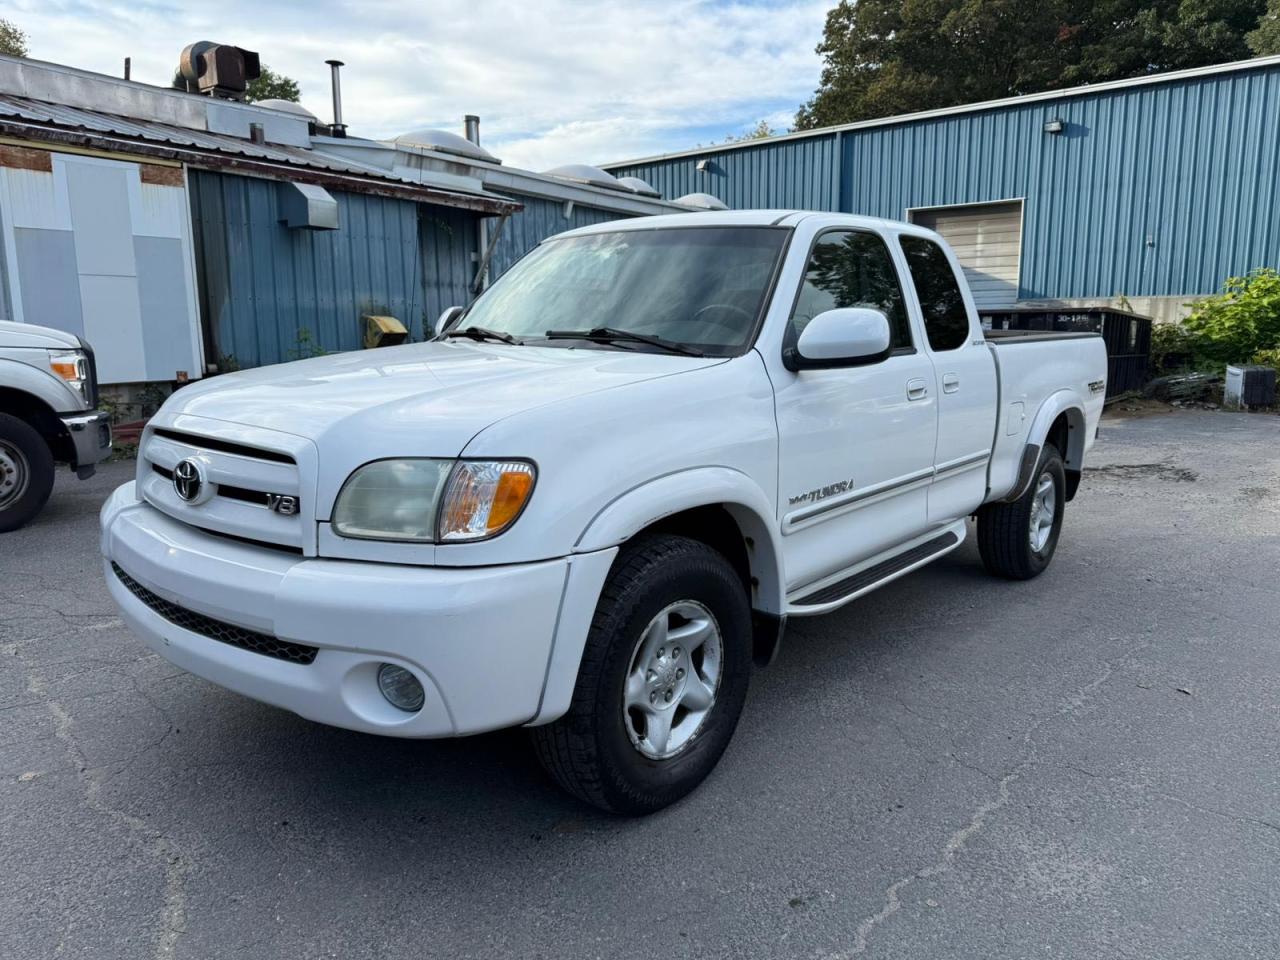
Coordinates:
[663,679]
[1017,540]
[26,472]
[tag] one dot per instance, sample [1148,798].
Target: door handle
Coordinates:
[917,389]
[950,382]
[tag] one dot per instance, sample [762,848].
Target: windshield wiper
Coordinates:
[614,335]
[481,333]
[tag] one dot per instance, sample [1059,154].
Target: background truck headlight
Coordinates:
[72,366]
[430,501]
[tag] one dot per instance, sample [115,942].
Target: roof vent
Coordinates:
[702,201]
[217,69]
[443,141]
[585,173]
[636,185]
[287,106]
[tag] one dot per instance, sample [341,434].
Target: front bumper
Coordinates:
[90,435]
[482,640]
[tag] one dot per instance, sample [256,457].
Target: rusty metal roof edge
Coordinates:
[282,167]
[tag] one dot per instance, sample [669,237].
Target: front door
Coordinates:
[856,443]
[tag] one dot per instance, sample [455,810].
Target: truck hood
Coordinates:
[29,335]
[425,399]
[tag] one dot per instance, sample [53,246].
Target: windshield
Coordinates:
[701,287]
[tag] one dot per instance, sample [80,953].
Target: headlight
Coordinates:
[392,500]
[430,501]
[72,366]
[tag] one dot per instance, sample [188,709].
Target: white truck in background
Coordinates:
[591,504]
[48,401]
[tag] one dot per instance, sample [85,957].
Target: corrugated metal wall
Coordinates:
[271,294]
[448,240]
[1154,190]
[538,220]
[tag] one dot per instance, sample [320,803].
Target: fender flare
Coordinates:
[748,505]
[1063,401]
[45,387]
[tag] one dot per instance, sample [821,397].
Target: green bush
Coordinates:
[1241,324]
[1173,348]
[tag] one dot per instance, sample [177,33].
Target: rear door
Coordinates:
[987,240]
[855,443]
[967,394]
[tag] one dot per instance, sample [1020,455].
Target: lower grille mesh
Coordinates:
[227,633]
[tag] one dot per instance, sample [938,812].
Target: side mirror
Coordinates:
[844,337]
[447,319]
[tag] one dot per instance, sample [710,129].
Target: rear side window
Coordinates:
[852,268]
[946,322]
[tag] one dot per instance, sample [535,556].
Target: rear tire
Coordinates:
[26,472]
[662,682]
[1017,540]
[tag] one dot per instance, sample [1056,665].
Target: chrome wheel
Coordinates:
[14,474]
[672,680]
[1044,506]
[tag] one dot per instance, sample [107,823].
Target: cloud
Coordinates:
[554,81]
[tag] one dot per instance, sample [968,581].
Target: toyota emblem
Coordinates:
[188,479]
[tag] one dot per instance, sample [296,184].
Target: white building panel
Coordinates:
[99,194]
[113,326]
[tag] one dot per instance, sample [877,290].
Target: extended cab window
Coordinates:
[945,319]
[852,268]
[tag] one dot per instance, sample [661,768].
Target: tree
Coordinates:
[883,57]
[1266,39]
[12,40]
[758,132]
[272,86]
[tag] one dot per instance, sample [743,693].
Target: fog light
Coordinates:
[401,688]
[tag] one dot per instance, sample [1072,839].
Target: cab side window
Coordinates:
[852,268]
[946,322]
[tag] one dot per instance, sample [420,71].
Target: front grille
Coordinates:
[224,446]
[227,633]
[258,497]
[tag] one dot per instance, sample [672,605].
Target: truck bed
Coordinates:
[1042,365]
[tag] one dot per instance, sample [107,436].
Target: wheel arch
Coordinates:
[36,412]
[1060,421]
[701,504]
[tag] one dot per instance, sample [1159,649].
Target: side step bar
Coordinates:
[885,570]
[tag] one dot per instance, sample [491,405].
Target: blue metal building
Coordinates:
[1154,189]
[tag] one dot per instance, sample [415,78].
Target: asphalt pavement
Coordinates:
[1083,766]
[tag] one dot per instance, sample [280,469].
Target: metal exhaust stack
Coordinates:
[471,124]
[339,128]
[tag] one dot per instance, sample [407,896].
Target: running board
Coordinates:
[866,580]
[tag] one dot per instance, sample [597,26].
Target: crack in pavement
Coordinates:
[173,861]
[958,840]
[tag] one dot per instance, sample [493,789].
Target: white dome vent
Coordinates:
[287,106]
[636,185]
[585,173]
[442,141]
[702,201]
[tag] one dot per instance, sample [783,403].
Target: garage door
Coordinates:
[987,239]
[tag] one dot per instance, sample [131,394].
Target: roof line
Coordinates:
[54,136]
[1066,92]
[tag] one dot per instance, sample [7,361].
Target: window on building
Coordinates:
[946,321]
[852,268]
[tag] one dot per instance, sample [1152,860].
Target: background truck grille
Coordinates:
[262,643]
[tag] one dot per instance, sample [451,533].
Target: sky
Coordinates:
[553,81]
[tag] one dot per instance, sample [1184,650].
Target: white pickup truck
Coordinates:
[593,501]
[48,400]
